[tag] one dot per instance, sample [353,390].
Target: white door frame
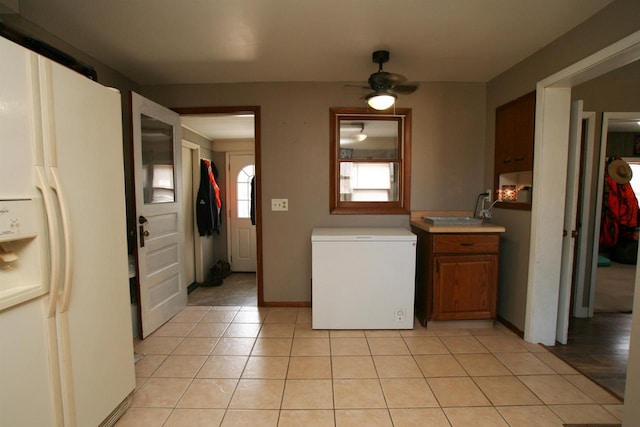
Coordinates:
[550,168]
[195,168]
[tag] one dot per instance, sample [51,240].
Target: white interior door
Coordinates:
[242,232]
[570,224]
[158,188]
[585,242]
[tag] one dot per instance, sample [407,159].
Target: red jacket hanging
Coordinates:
[619,213]
[214,185]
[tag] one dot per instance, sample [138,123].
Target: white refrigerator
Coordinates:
[362,278]
[66,347]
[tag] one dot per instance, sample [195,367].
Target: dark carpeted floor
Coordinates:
[598,347]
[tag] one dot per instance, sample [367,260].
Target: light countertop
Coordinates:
[417,220]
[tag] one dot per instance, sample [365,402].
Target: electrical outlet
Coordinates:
[488,198]
[279,204]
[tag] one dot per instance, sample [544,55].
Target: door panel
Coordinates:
[158,183]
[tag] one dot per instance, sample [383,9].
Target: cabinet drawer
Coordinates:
[466,243]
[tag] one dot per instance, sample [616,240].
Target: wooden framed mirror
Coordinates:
[370,170]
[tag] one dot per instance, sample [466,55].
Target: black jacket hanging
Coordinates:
[253,201]
[205,202]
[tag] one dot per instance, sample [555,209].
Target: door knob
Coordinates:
[146,233]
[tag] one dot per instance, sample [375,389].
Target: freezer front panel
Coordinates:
[363,285]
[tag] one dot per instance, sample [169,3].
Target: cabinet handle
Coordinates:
[506,161]
[466,244]
[519,159]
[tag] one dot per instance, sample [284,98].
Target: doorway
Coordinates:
[226,132]
[552,122]
[615,266]
[603,284]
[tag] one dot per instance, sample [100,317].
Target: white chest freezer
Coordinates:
[363,278]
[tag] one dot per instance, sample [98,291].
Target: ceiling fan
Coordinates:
[386,86]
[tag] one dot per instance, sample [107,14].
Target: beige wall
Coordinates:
[611,24]
[447,166]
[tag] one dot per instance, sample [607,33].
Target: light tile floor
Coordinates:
[247,366]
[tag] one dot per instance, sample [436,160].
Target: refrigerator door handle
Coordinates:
[66,239]
[54,240]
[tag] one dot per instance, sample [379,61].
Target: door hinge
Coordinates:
[574,233]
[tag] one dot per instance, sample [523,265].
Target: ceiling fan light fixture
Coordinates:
[360,137]
[381,100]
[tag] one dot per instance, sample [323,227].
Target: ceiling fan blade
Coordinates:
[359,86]
[405,89]
[384,80]
[395,79]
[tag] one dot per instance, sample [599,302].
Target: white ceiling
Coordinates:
[628,126]
[219,41]
[221,126]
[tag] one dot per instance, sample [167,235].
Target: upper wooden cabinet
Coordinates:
[515,123]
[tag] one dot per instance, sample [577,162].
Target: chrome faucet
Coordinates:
[477,212]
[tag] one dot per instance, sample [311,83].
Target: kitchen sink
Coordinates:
[453,220]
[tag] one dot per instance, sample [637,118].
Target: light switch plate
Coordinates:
[279,204]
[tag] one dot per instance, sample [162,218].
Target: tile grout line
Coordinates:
[299,313]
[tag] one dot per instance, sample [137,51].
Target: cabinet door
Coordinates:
[465,287]
[505,135]
[423,302]
[515,124]
[524,129]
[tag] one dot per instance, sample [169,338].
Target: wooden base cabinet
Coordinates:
[456,276]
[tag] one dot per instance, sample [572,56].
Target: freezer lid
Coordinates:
[357,234]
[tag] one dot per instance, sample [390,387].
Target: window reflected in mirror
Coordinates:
[370,161]
[369,182]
